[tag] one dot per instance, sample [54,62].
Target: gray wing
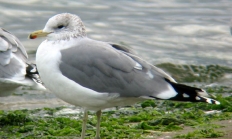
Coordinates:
[104,68]
[12,56]
[146,65]
[121,48]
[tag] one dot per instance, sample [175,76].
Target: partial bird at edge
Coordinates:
[15,71]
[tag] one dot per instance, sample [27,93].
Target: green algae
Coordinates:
[202,133]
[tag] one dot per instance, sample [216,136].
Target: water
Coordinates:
[177,31]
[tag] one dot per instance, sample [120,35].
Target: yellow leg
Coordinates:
[98,113]
[85,118]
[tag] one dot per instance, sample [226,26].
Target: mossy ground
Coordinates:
[139,121]
[149,119]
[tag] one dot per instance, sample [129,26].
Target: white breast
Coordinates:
[47,59]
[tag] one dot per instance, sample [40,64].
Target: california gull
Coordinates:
[97,75]
[14,69]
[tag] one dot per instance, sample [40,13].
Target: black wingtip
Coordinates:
[193,94]
[32,73]
[208,100]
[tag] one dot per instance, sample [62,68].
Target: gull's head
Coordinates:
[60,27]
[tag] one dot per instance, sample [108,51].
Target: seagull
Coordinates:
[97,75]
[14,69]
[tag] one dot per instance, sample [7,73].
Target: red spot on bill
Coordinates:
[32,36]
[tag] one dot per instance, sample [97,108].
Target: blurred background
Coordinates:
[172,31]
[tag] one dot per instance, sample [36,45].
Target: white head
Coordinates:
[60,27]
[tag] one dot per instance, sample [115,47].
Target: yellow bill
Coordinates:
[38,33]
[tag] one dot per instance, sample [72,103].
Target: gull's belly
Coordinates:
[75,94]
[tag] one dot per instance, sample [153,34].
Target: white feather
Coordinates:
[167,94]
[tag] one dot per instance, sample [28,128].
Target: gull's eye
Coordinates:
[60,26]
